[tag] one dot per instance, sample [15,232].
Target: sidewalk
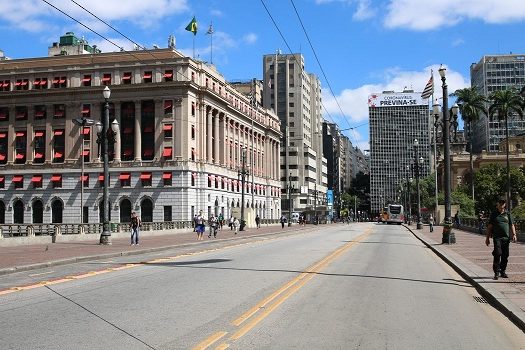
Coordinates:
[30,257]
[472,259]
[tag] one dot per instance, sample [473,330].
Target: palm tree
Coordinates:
[506,103]
[471,104]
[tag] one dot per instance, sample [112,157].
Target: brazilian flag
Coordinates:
[192,26]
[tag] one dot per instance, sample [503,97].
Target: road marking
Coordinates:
[210,340]
[261,310]
[40,274]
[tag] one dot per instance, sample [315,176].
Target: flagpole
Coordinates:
[194,47]
[210,32]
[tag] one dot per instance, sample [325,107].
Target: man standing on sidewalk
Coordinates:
[502,230]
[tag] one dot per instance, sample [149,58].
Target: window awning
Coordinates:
[86,131]
[39,133]
[84,178]
[127,76]
[36,178]
[18,178]
[5,84]
[59,113]
[18,83]
[56,80]
[39,114]
[59,155]
[168,74]
[148,152]
[43,82]
[168,104]
[2,178]
[167,152]
[147,75]
[85,110]
[2,156]
[86,152]
[106,77]
[101,177]
[167,176]
[36,82]
[24,82]
[56,178]
[3,135]
[20,156]
[124,176]
[21,115]
[86,78]
[38,155]
[145,176]
[58,132]
[167,127]
[62,80]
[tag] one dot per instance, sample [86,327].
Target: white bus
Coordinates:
[395,214]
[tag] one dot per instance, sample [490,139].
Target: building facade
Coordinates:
[184,135]
[492,73]
[396,120]
[295,95]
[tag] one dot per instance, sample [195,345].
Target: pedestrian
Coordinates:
[501,229]
[236,225]
[283,220]
[201,226]
[135,228]
[214,225]
[195,223]
[221,221]
[230,223]
[481,222]
[257,221]
[431,223]
[456,219]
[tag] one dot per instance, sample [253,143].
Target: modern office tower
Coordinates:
[396,120]
[183,131]
[492,73]
[295,95]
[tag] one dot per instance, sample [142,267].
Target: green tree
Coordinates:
[471,105]
[506,103]
[360,187]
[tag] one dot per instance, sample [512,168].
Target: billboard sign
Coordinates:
[396,99]
[330,197]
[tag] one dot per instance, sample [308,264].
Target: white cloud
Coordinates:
[250,38]
[428,15]
[354,102]
[36,15]
[364,10]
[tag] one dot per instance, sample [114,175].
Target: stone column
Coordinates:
[209,137]
[138,131]
[216,139]
[118,143]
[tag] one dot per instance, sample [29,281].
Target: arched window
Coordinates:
[18,215]
[2,212]
[125,210]
[146,210]
[57,209]
[38,212]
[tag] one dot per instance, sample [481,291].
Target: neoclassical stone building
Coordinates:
[182,134]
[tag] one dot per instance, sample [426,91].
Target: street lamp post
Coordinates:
[417,169]
[243,172]
[290,207]
[103,139]
[82,122]
[448,235]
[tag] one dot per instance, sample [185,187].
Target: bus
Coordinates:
[395,214]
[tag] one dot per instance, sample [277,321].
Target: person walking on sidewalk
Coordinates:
[501,229]
[236,224]
[431,223]
[201,226]
[257,221]
[135,228]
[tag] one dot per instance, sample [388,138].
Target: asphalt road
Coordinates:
[363,286]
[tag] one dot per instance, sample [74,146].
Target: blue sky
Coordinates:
[363,46]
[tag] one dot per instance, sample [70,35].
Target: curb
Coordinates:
[472,273]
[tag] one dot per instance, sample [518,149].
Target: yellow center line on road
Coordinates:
[210,341]
[262,309]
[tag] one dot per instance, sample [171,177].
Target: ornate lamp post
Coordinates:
[417,164]
[242,173]
[104,135]
[448,235]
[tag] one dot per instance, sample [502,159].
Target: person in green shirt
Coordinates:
[502,230]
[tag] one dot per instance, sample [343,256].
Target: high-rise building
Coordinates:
[295,95]
[184,133]
[492,73]
[396,120]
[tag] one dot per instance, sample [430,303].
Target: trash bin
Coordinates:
[113,227]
